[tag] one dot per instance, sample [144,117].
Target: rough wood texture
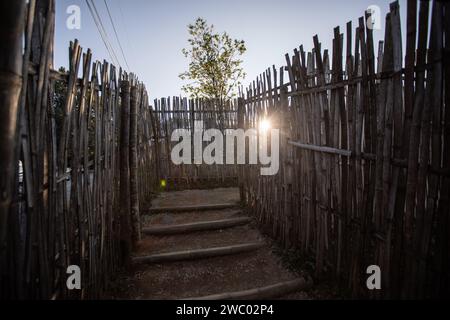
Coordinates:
[65,190]
[12,15]
[12,87]
[364,161]
[125,200]
[133,138]
[169,114]
[359,177]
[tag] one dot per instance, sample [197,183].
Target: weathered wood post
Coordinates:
[286,164]
[241,167]
[12,17]
[155,133]
[125,205]
[134,195]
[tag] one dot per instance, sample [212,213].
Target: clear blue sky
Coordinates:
[153,32]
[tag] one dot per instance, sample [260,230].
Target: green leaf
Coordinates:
[214,68]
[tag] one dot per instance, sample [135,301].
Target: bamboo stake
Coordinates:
[12,15]
[125,218]
[134,196]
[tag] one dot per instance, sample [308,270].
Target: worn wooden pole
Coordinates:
[241,168]
[125,205]
[12,18]
[413,156]
[134,195]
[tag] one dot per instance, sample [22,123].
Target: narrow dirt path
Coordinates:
[189,278]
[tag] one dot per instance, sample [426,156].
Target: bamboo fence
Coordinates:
[80,145]
[182,113]
[364,156]
[364,173]
[364,169]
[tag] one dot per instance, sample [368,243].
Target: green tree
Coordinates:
[215,67]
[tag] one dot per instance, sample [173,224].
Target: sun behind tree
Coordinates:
[215,67]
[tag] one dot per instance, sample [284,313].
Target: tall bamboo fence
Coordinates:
[169,114]
[365,168]
[80,142]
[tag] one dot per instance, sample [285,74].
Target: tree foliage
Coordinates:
[215,67]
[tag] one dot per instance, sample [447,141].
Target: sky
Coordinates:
[153,32]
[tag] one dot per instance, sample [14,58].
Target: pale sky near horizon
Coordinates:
[153,32]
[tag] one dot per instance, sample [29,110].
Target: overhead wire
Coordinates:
[100,27]
[125,29]
[116,34]
[104,30]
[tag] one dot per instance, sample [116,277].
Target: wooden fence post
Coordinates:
[134,195]
[125,205]
[241,167]
[12,15]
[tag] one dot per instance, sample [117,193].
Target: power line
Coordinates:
[102,31]
[102,35]
[115,33]
[105,33]
[122,18]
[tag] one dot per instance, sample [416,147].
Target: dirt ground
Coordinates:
[185,279]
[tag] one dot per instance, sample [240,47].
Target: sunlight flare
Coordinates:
[265,125]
